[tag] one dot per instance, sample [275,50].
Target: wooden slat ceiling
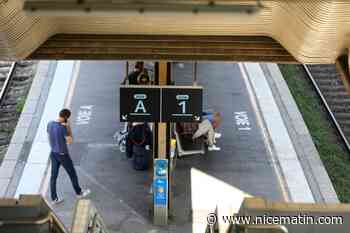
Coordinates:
[225,48]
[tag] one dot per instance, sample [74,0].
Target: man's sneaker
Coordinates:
[57,201]
[217,135]
[213,148]
[84,193]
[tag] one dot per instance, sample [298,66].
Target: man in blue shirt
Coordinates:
[60,134]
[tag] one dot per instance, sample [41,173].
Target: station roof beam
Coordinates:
[96,7]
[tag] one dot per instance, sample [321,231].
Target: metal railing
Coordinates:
[7,82]
[330,113]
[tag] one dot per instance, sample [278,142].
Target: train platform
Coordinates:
[258,154]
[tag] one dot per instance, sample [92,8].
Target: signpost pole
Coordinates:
[161,105]
[162,137]
[160,216]
[194,73]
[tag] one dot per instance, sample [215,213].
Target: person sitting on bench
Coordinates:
[210,122]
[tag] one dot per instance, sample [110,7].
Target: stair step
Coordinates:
[344,121]
[22,77]
[8,112]
[340,108]
[324,75]
[333,88]
[5,63]
[338,101]
[331,82]
[4,138]
[335,94]
[25,63]
[323,68]
[9,102]
[23,82]
[9,119]
[342,116]
[4,70]
[346,131]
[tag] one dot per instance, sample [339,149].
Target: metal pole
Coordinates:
[195,73]
[126,71]
[161,183]
[127,68]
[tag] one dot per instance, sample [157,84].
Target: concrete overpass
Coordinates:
[306,31]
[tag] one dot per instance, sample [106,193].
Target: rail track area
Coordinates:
[334,95]
[121,193]
[15,81]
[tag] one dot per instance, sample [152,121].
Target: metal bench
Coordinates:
[187,146]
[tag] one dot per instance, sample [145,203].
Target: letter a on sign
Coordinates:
[140,106]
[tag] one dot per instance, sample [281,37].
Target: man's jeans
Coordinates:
[56,161]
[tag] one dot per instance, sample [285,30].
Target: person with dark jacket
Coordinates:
[139,76]
[139,145]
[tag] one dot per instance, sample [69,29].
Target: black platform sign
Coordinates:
[182,104]
[139,104]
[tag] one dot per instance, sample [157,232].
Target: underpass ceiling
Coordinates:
[156,47]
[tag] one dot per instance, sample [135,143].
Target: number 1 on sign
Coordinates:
[183,105]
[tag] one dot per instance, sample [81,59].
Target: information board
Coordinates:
[160,191]
[182,104]
[161,194]
[161,103]
[160,182]
[139,104]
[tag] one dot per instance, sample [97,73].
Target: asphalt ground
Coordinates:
[121,193]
